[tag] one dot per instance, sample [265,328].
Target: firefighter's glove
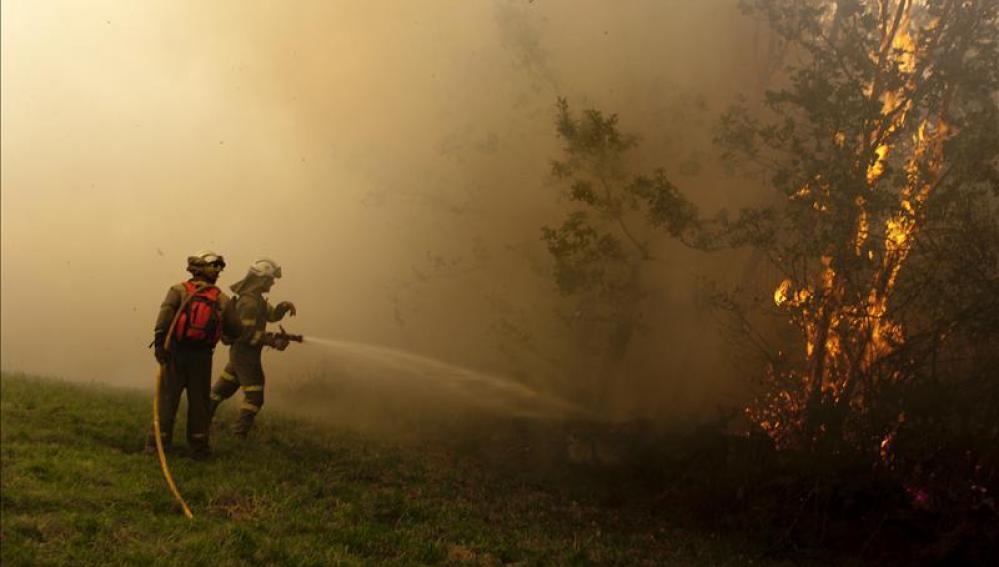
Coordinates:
[162,354]
[284,307]
[159,347]
[278,342]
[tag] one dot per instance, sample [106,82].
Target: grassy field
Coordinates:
[77,490]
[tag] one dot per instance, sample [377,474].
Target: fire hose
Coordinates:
[159,446]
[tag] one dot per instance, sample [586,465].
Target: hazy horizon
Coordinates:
[392,157]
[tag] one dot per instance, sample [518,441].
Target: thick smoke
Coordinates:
[392,156]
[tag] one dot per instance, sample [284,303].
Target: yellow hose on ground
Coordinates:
[159,446]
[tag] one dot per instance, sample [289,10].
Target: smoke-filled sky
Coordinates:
[392,156]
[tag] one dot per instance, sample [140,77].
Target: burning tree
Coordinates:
[884,138]
[882,142]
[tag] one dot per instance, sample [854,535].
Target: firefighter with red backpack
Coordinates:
[190,323]
[245,370]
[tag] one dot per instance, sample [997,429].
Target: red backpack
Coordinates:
[200,323]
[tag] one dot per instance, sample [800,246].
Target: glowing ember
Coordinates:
[780,294]
[877,167]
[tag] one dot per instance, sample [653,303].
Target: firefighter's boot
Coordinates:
[244,423]
[201,452]
[253,400]
[151,442]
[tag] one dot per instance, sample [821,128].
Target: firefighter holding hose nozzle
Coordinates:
[244,370]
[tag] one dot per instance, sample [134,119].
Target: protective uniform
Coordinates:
[244,369]
[188,366]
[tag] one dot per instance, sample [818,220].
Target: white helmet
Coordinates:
[265,267]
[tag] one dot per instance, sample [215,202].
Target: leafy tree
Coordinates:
[602,248]
[882,142]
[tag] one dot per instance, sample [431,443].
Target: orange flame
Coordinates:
[864,326]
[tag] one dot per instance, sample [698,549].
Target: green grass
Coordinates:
[77,490]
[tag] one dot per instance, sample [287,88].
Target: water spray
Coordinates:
[526,400]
